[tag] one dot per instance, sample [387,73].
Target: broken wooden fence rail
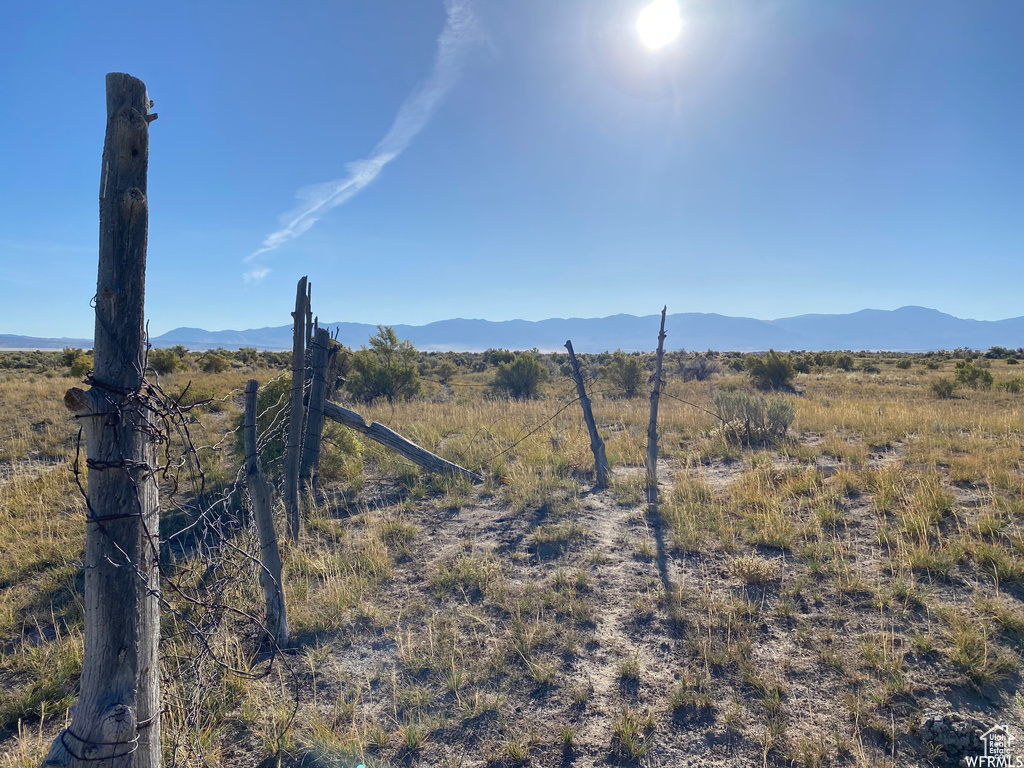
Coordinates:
[400,445]
[262,510]
[596,443]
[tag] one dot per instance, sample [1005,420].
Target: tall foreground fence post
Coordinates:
[596,443]
[652,427]
[262,509]
[293,446]
[116,722]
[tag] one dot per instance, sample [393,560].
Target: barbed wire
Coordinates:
[208,577]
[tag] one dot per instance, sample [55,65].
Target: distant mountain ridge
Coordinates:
[907,329]
[12,341]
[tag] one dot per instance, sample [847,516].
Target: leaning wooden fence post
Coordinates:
[270,554]
[391,439]
[652,427]
[309,469]
[116,722]
[293,446]
[596,443]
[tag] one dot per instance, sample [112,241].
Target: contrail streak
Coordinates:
[460,30]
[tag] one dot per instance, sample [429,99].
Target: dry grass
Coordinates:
[796,604]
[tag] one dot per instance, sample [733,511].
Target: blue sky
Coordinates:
[778,158]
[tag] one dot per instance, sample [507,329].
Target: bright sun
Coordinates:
[659,23]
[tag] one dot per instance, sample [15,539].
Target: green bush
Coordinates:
[69,354]
[770,371]
[1012,361]
[81,365]
[446,371]
[272,402]
[903,364]
[520,377]
[387,369]
[247,355]
[699,367]
[768,417]
[943,388]
[974,376]
[213,362]
[340,453]
[496,357]
[164,361]
[625,373]
[843,362]
[337,451]
[1014,385]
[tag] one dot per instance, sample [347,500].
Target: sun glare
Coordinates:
[659,23]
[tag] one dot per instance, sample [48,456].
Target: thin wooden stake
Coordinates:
[652,427]
[116,722]
[262,510]
[596,443]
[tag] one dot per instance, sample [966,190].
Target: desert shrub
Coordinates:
[903,364]
[843,362]
[387,369]
[339,447]
[625,373]
[496,357]
[277,359]
[768,417]
[272,403]
[340,453]
[700,367]
[1014,385]
[81,365]
[997,353]
[974,376]
[164,361]
[870,368]
[67,357]
[247,355]
[1012,361]
[445,371]
[213,362]
[520,377]
[932,365]
[770,371]
[943,388]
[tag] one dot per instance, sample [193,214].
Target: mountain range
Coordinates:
[908,329]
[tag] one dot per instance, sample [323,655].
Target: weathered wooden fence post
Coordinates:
[262,509]
[652,427]
[309,469]
[596,443]
[116,722]
[293,445]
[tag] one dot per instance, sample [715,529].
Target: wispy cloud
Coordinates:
[255,275]
[460,31]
